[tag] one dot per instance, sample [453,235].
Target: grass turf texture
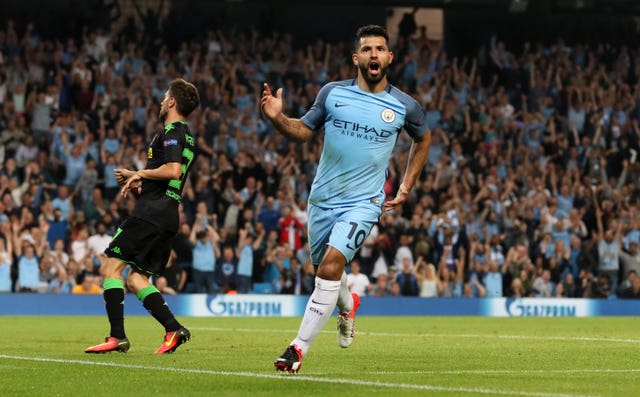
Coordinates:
[399,356]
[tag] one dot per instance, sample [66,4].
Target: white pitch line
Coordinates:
[431,335]
[297,378]
[505,372]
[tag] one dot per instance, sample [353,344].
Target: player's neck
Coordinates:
[372,88]
[173,117]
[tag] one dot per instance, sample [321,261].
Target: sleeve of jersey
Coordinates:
[172,144]
[314,118]
[415,123]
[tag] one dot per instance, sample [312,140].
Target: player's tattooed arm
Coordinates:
[271,106]
[293,129]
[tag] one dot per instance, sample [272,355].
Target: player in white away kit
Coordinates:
[362,119]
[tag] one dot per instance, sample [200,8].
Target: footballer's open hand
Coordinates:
[133,184]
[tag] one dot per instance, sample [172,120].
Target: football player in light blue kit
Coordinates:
[362,119]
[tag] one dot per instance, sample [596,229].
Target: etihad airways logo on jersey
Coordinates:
[361,131]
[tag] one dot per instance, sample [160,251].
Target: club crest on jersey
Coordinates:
[388,115]
[150,153]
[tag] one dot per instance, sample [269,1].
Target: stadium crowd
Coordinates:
[530,187]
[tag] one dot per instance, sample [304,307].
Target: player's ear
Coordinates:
[354,58]
[390,57]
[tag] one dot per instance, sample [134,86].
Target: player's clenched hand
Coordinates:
[122,174]
[271,105]
[133,183]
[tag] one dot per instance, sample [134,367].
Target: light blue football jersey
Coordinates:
[361,129]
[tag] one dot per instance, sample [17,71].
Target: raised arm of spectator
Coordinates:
[242,239]
[553,180]
[8,241]
[472,73]
[508,260]
[43,244]
[120,124]
[482,194]
[454,69]
[623,175]
[558,78]
[258,240]
[327,57]
[618,231]
[214,237]
[442,95]
[599,225]
[596,136]
[417,269]
[574,132]
[194,229]
[273,257]
[494,57]
[461,260]
[467,120]
[64,135]
[603,172]
[482,291]
[15,237]
[461,265]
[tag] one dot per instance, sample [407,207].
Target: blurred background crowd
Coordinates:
[530,188]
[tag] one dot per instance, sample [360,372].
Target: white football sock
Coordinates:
[345,299]
[319,308]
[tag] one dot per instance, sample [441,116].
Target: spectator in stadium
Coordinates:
[227,269]
[429,283]
[88,285]
[372,56]
[630,258]
[79,246]
[6,260]
[608,250]
[543,286]
[517,290]
[205,253]
[28,253]
[248,242]
[381,286]
[63,203]
[358,282]
[452,282]
[403,251]
[63,283]
[291,228]
[631,287]
[406,279]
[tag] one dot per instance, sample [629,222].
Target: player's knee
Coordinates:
[111,268]
[330,270]
[131,284]
[137,281]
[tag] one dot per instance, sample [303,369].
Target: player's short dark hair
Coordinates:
[368,31]
[186,96]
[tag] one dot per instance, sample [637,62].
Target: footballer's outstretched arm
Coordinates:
[271,106]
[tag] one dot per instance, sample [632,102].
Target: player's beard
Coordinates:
[368,77]
[162,115]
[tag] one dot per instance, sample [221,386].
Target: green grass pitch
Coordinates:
[391,356]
